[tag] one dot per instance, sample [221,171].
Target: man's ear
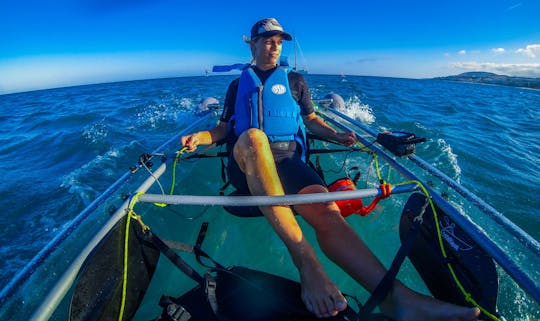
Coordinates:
[253,48]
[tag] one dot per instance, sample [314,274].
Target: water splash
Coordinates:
[448,155]
[355,109]
[96,133]
[78,183]
[186,103]
[169,110]
[151,115]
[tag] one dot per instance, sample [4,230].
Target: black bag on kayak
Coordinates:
[399,143]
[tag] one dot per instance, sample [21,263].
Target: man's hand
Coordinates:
[190,141]
[347,139]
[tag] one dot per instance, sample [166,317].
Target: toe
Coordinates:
[340,303]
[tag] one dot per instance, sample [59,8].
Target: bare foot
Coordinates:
[320,295]
[405,305]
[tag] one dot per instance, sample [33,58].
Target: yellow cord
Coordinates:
[468,297]
[173,183]
[130,214]
[366,149]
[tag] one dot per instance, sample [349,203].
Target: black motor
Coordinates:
[399,143]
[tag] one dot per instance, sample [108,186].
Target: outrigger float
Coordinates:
[117,272]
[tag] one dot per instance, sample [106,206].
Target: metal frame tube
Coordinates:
[270,200]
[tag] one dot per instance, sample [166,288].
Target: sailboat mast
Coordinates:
[294,68]
[298,50]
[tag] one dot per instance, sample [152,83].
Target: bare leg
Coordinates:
[253,155]
[344,247]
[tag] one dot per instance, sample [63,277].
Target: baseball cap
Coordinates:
[268,27]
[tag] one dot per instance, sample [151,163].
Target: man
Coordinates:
[267,160]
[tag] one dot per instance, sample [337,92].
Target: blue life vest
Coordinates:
[270,108]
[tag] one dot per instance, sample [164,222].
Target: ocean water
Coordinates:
[60,148]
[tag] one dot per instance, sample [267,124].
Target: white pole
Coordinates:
[270,200]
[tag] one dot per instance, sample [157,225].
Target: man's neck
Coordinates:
[263,74]
[265,67]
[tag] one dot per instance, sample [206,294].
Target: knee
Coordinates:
[322,216]
[254,135]
[252,139]
[325,218]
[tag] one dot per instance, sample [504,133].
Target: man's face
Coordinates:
[268,50]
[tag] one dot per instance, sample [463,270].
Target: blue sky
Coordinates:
[55,43]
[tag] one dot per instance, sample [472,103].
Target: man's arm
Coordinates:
[205,137]
[318,127]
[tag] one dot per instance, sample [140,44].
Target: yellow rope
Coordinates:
[130,214]
[468,297]
[366,149]
[173,183]
[178,153]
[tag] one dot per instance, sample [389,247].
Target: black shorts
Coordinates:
[294,174]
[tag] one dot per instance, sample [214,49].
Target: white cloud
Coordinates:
[462,52]
[498,50]
[509,69]
[530,50]
[514,6]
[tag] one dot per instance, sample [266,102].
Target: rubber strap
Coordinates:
[197,249]
[210,289]
[384,287]
[223,172]
[176,259]
[202,234]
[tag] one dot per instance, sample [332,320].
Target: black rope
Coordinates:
[386,284]
[176,259]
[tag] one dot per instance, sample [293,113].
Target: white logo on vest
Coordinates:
[279,89]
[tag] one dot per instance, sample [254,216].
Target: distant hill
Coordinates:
[494,79]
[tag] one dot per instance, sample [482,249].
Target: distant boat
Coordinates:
[298,51]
